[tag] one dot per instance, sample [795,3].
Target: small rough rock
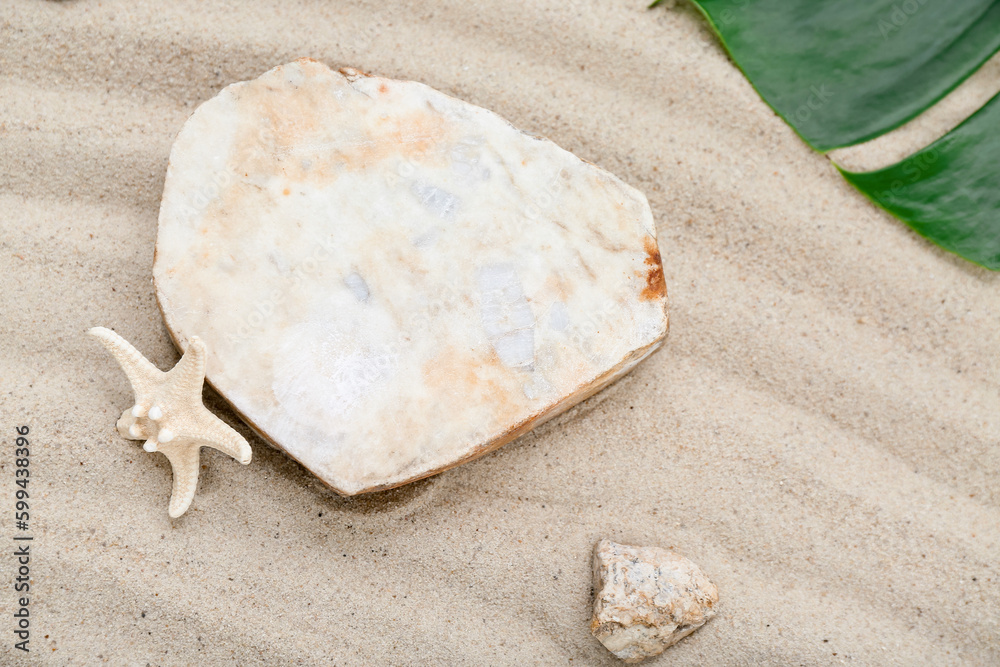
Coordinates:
[647,599]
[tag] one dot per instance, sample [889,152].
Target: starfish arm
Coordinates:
[184,460]
[210,431]
[142,375]
[188,376]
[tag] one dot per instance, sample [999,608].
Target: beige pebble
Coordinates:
[647,599]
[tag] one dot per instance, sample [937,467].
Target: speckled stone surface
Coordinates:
[391,281]
[647,599]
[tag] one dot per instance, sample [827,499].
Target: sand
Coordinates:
[821,432]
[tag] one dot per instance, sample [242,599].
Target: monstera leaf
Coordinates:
[841,73]
[950,191]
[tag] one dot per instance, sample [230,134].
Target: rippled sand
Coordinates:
[821,432]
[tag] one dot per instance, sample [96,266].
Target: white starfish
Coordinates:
[170,416]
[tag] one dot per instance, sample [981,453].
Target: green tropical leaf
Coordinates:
[950,191]
[841,73]
[844,72]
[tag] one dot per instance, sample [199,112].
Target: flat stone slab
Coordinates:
[390,281]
